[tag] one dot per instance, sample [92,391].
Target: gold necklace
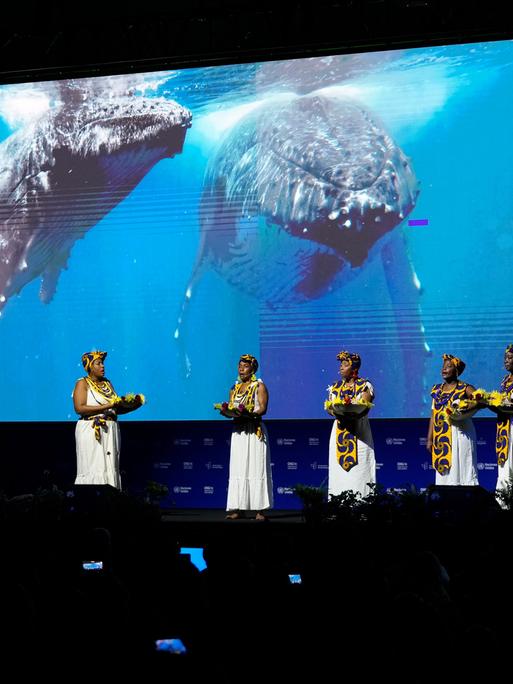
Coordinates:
[104,388]
[242,395]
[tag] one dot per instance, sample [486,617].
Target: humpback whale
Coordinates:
[328,181]
[297,195]
[62,173]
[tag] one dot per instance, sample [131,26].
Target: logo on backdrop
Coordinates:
[208,489]
[213,466]
[318,466]
[182,441]
[182,490]
[313,441]
[162,465]
[286,441]
[487,466]
[208,441]
[402,465]
[187,465]
[395,441]
[285,490]
[291,465]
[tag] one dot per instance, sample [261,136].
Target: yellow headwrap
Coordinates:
[354,359]
[89,357]
[247,358]
[457,363]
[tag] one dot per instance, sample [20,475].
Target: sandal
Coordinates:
[232,516]
[261,516]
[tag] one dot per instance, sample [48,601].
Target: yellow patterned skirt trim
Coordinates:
[347,448]
[441,452]
[502,440]
[99,423]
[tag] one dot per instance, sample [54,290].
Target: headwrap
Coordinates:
[247,358]
[89,357]
[456,362]
[509,349]
[354,359]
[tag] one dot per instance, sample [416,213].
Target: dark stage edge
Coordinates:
[196,526]
[218,516]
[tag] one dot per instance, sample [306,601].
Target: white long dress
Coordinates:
[250,486]
[363,473]
[463,470]
[97,461]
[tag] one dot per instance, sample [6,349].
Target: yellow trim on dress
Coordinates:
[441,452]
[503,425]
[247,399]
[346,441]
[104,389]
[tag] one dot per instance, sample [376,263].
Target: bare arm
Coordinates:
[80,401]
[469,391]
[330,398]
[366,395]
[263,399]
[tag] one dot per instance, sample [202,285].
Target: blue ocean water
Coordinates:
[448,108]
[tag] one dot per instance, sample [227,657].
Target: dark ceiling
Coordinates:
[60,38]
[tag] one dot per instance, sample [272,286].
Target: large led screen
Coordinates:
[287,209]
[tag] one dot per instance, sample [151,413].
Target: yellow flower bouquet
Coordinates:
[348,408]
[231,410]
[493,400]
[129,402]
[465,408]
[461,409]
[499,400]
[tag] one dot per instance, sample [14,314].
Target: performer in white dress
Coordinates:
[352,464]
[452,444]
[250,484]
[504,441]
[97,433]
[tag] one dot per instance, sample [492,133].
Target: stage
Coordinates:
[189,459]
